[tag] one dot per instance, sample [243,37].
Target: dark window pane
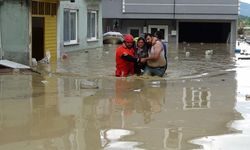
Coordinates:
[66,26]
[163,33]
[89,25]
[73,25]
[153,30]
[134,32]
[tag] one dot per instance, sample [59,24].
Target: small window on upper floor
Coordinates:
[92,29]
[70,28]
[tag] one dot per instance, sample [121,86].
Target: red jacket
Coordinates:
[123,67]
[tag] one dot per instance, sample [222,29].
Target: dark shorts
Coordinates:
[155,71]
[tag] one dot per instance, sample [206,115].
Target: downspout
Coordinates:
[174,9]
[29,6]
[1,46]
[177,26]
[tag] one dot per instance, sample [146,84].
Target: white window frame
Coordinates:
[165,27]
[95,37]
[75,41]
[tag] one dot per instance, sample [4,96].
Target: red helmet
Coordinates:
[128,38]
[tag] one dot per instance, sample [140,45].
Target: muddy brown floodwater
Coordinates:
[78,103]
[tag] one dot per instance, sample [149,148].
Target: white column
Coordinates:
[177,34]
[233,36]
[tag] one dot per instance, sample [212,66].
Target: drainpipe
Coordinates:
[29,6]
[174,9]
[176,26]
[1,47]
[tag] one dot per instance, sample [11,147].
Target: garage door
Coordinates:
[204,32]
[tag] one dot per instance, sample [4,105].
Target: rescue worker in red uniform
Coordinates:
[125,57]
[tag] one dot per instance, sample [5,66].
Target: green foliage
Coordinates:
[243,21]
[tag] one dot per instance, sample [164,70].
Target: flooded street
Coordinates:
[79,104]
[240,139]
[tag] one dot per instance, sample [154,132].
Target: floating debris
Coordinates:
[44,82]
[209,52]
[34,62]
[46,59]
[156,82]
[137,90]
[88,84]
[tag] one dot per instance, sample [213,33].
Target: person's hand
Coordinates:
[143,60]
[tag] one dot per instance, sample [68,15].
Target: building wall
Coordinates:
[171,9]
[50,36]
[82,42]
[206,9]
[46,40]
[14,30]
[169,13]
[125,24]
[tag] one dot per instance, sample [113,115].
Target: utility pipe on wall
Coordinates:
[1,46]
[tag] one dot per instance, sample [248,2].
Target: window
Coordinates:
[70,27]
[92,25]
[163,28]
[43,8]
[134,31]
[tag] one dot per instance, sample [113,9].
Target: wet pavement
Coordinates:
[78,103]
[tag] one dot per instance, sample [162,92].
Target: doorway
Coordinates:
[38,38]
[163,28]
[206,32]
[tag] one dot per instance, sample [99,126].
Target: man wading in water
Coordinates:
[157,59]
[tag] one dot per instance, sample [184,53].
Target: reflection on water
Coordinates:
[111,139]
[81,106]
[196,98]
[241,139]
[140,97]
[173,138]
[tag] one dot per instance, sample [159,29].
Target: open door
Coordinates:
[38,38]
